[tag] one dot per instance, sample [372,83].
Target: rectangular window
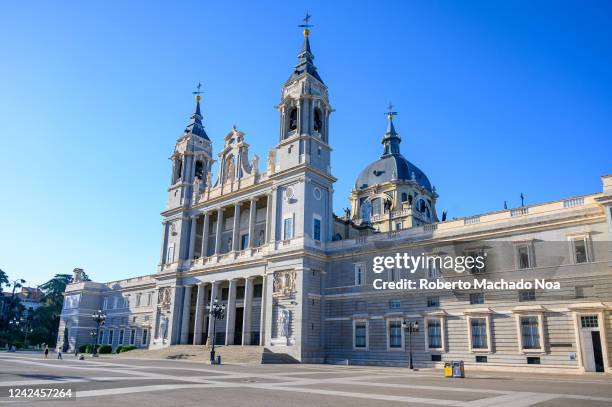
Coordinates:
[225,293]
[523,257]
[589,321]
[434,333]
[316,226]
[398,226]
[359,274]
[527,295]
[474,254]
[105,303]
[121,332]
[132,336]
[477,298]
[240,292]
[392,274]
[244,242]
[481,359]
[530,332]
[257,290]
[585,291]
[432,270]
[126,302]
[100,337]
[395,334]
[149,298]
[110,336]
[478,328]
[361,329]
[533,360]
[436,358]
[395,304]
[138,296]
[580,250]
[145,333]
[288,228]
[433,302]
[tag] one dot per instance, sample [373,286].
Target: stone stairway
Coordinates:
[229,354]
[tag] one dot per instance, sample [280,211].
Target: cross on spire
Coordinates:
[390,113]
[198,92]
[306,24]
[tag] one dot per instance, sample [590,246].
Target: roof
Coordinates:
[391,166]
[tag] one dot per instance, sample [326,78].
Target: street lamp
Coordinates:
[13,325]
[99,318]
[217,311]
[412,327]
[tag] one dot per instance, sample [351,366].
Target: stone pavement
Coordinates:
[110,379]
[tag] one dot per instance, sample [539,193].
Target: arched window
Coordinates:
[318,123]
[376,206]
[199,169]
[421,206]
[178,169]
[404,197]
[293,119]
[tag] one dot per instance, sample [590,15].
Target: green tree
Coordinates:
[4,280]
[47,317]
[54,290]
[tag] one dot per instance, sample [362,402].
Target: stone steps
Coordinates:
[229,354]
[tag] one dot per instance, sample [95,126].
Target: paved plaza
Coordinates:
[151,382]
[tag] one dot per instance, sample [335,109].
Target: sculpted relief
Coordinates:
[284,283]
[163,296]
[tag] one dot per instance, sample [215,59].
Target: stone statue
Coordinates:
[271,161]
[163,328]
[77,275]
[284,319]
[230,169]
[387,205]
[347,213]
[255,164]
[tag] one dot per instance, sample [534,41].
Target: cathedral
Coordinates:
[261,239]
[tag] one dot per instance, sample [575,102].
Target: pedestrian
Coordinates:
[59,354]
[46,351]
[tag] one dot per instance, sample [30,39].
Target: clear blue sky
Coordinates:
[495,98]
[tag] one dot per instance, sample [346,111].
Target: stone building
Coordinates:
[262,239]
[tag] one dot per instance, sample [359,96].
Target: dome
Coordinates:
[391,167]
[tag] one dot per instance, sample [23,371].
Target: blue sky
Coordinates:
[495,98]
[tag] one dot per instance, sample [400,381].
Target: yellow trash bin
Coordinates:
[448,369]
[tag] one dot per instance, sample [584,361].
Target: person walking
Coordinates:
[59,354]
[46,351]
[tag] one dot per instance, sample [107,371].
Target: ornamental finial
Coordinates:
[306,26]
[390,113]
[198,92]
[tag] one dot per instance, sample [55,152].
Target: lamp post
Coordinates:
[217,311]
[13,325]
[412,327]
[99,318]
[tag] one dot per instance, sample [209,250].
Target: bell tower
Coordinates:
[304,115]
[191,160]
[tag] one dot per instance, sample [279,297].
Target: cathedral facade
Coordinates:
[261,239]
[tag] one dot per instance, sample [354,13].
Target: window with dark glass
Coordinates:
[530,332]
[395,334]
[360,335]
[434,333]
[478,328]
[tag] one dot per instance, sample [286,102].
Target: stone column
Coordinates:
[192,236]
[230,321]
[248,303]
[214,289]
[252,219]
[199,315]
[205,231]
[262,321]
[162,250]
[219,230]
[271,221]
[186,312]
[236,230]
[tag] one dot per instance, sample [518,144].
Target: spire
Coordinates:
[305,57]
[195,125]
[391,139]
